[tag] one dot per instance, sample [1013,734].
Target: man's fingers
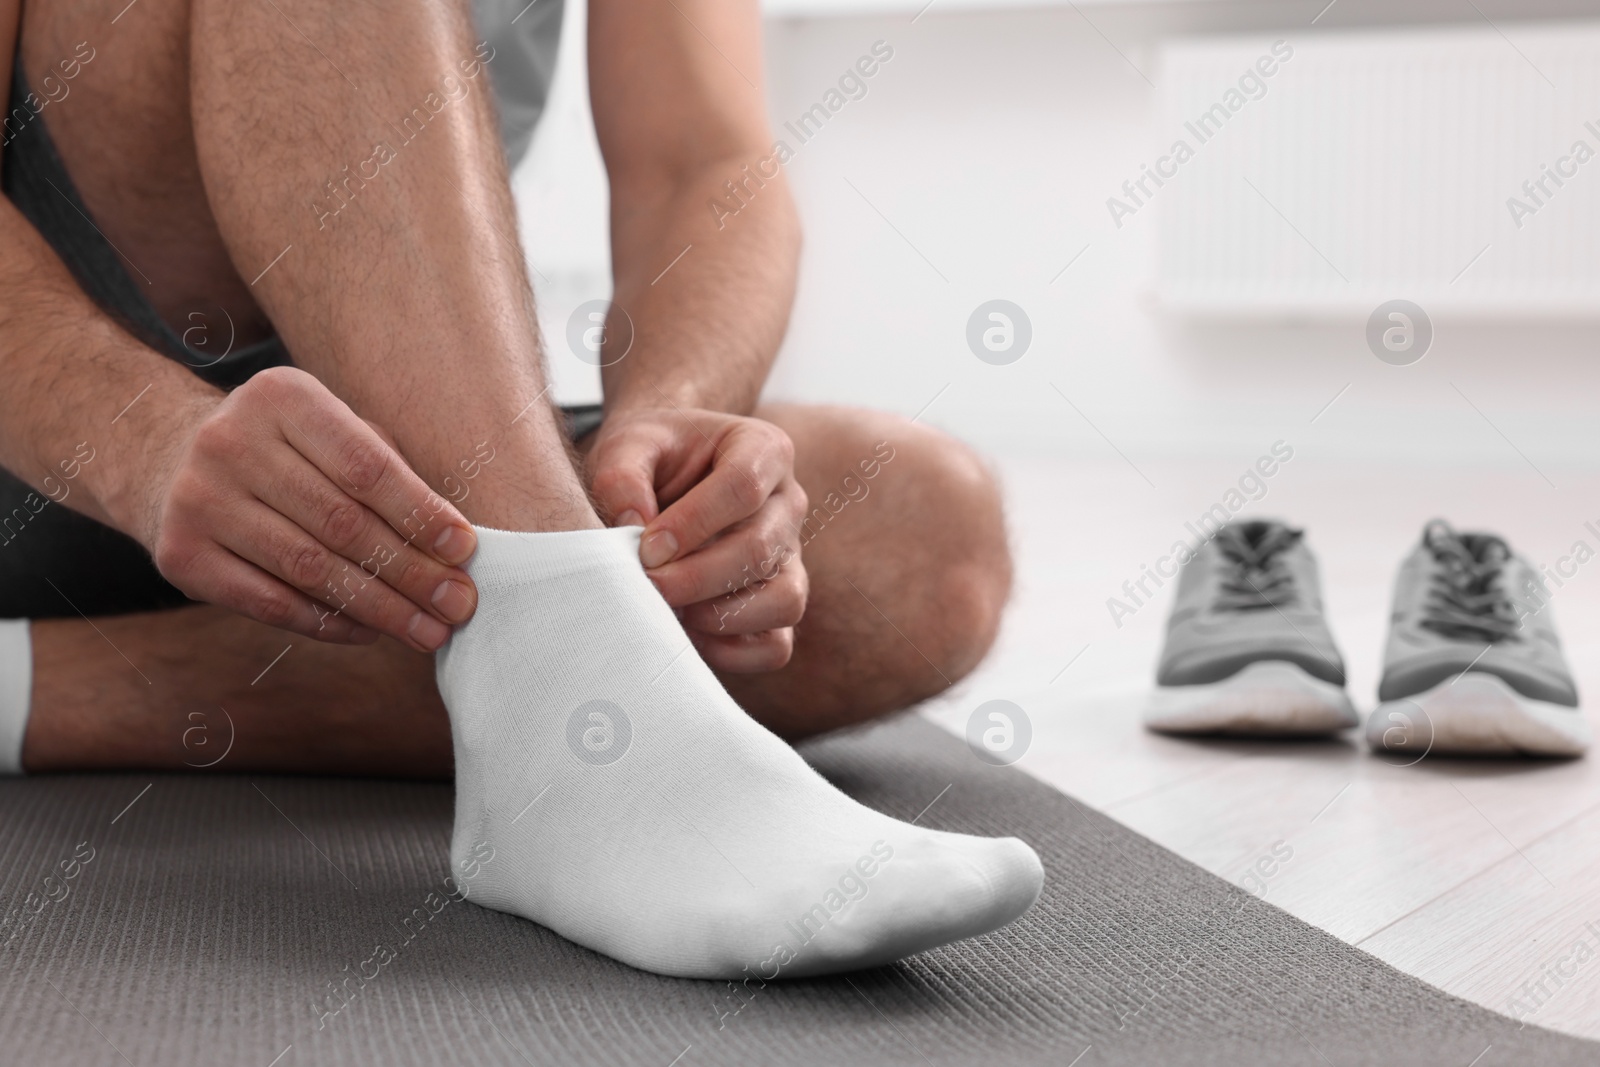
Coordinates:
[299,492]
[226,579]
[289,553]
[748,557]
[324,430]
[746,654]
[764,606]
[753,459]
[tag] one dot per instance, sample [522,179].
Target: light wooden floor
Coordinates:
[1477,876]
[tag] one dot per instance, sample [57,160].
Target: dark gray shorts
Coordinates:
[53,561]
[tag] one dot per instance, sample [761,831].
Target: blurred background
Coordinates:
[1176,338]
[1377,165]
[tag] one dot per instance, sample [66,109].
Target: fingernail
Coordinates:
[630,518]
[658,548]
[455,545]
[453,600]
[427,631]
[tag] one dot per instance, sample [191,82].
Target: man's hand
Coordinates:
[717,496]
[282,504]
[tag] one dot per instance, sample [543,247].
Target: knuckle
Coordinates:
[610,482]
[363,463]
[221,437]
[274,383]
[793,596]
[175,557]
[746,492]
[800,501]
[780,445]
[275,607]
[305,564]
[773,547]
[343,521]
[761,565]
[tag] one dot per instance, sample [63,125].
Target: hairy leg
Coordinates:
[406,305]
[338,171]
[202,688]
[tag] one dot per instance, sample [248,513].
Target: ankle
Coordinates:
[526,483]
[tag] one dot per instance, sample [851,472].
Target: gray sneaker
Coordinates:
[1248,650]
[1473,664]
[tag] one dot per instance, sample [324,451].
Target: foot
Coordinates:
[609,789]
[1466,671]
[1248,649]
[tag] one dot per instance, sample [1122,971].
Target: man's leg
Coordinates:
[203,688]
[350,161]
[907,583]
[606,785]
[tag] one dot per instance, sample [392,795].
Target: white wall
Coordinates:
[981,158]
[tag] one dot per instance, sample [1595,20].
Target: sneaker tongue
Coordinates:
[1467,599]
[1256,540]
[1486,548]
[1255,577]
[1256,531]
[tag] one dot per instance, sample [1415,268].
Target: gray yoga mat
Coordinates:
[214,915]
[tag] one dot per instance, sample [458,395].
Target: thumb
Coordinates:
[624,480]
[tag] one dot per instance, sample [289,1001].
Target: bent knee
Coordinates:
[959,538]
[936,535]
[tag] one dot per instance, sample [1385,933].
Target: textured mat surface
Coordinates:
[235,920]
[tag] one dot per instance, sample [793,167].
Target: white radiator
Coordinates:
[1413,164]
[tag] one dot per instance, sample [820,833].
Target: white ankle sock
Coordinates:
[16,691]
[608,788]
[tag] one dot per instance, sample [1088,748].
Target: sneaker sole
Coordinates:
[1477,714]
[1270,698]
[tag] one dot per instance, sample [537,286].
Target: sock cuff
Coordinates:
[16,691]
[510,558]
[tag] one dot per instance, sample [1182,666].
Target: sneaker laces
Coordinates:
[1466,597]
[1256,575]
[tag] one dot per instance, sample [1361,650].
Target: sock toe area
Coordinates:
[946,888]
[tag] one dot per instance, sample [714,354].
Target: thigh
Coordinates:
[114,98]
